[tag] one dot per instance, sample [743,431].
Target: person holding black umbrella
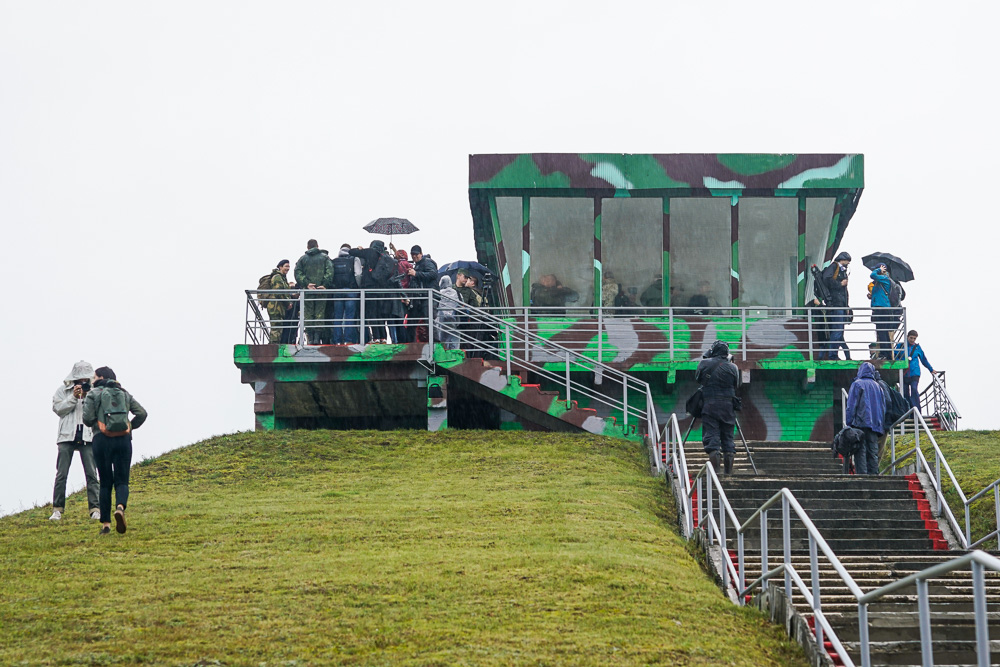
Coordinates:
[884,292]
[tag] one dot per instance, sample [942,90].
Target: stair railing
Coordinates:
[520,349]
[934,473]
[979,561]
[936,401]
[702,503]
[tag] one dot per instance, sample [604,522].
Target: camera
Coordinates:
[83,384]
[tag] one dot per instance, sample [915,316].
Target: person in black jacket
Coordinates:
[719,378]
[835,279]
[423,275]
[375,302]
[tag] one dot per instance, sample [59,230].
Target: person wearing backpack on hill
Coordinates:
[314,271]
[914,354]
[280,305]
[423,275]
[347,271]
[719,379]
[835,280]
[106,410]
[74,436]
[884,291]
[379,267]
[866,411]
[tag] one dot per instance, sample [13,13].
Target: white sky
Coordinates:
[157,158]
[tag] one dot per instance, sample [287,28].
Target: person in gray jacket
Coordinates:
[74,436]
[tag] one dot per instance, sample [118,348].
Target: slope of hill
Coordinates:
[321,547]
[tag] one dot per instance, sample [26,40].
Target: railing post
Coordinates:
[926,643]
[723,547]
[743,566]
[940,485]
[568,390]
[814,575]
[600,335]
[866,658]
[708,510]
[892,447]
[507,347]
[979,605]
[361,320]
[430,321]
[809,327]
[301,327]
[698,501]
[670,331]
[763,544]
[743,335]
[916,439]
[786,540]
[996,508]
[625,400]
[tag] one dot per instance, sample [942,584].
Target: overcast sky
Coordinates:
[157,158]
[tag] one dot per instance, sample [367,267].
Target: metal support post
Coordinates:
[568,390]
[926,643]
[600,335]
[743,335]
[430,321]
[763,542]
[625,401]
[809,327]
[937,474]
[996,507]
[866,657]
[982,625]
[743,564]
[708,509]
[698,500]
[786,540]
[507,348]
[300,334]
[670,331]
[814,572]
[361,319]
[722,545]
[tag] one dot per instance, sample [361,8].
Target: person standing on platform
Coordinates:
[74,436]
[106,410]
[423,275]
[911,376]
[866,411]
[314,271]
[280,305]
[719,379]
[835,280]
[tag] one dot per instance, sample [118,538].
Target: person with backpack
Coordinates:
[399,331]
[719,379]
[378,268]
[834,279]
[314,271]
[347,271]
[106,409]
[886,295]
[866,411]
[423,275]
[914,354]
[74,436]
[278,305]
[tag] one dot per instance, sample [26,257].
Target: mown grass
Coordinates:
[314,548]
[974,457]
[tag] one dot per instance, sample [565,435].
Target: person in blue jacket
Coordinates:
[866,411]
[886,320]
[911,376]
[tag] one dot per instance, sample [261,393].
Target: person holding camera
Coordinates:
[74,436]
[106,409]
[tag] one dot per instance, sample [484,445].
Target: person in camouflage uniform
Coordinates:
[314,271]
[279,306]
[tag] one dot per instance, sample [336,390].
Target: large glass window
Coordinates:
[769,256]
[509,212]
[631,250]
[700,252]
[562,251]
[819,216]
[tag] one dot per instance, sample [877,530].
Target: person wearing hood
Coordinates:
[107,407]
[376,303]
[886,318]
[314,271]
[280,305]
[719,379]
[423,275]
[74,436]
[446,315]
[866,411]
[347,271]
[835,279]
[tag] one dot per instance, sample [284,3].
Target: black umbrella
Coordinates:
[898,269]
[475,269]
[390,226]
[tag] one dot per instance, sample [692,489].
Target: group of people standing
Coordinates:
[335,318]
[93,410]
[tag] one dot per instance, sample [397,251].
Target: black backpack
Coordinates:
[895,405]
[343,273]
[848,442]
[385,268]
[695,404]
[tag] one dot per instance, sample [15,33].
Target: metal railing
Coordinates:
[700,502]
[365,315]
[979,562]
[920,431]
[615,334]
[935,401]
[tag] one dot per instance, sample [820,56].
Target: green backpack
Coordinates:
[112,415]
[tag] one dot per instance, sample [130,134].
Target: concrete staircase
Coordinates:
[881,528]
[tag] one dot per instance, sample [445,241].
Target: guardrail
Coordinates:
[612,334]
[936,401]
[373,315]
[700,501]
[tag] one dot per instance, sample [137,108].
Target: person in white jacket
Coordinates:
[74,436]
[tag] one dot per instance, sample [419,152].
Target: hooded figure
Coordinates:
[719,379]
[314,271]
[446,315]
[866,411]
[74,436]
[377,304]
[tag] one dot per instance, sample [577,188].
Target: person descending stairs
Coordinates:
[881,528]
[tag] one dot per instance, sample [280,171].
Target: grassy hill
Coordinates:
[974,457]
[313,548]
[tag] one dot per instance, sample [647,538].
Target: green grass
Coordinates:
[318,547]
[974,457]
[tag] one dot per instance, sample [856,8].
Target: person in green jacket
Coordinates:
[279,306]
[314,271]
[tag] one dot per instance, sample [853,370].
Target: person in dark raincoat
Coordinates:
[835,279]
[866,411]
[719,378]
